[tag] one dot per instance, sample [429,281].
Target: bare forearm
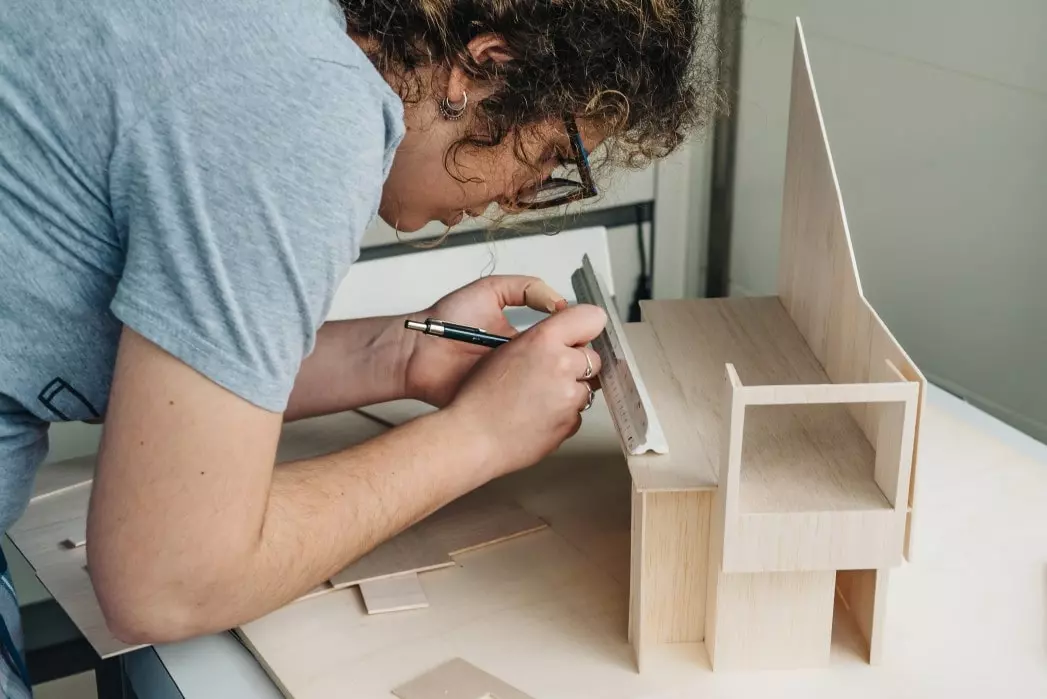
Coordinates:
[325,512]
[318,515]
[355,363]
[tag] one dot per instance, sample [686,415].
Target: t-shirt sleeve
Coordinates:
[242,199]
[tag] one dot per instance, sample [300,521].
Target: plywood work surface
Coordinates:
[547,613]
[794,458]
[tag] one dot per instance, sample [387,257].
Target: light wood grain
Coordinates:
[697,338]
[797,541]
[408,552]
[457,679]
[477,519]
[772,620]
[396,594]
[676,549]
[500,601]
[805,458]
[864,595]
[818,279]
[801,492]
[686,466]
[542,601]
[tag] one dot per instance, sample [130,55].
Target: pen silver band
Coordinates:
[430,327]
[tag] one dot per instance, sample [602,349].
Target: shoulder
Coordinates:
[353,89]
[285,63]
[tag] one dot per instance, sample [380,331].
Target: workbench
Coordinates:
[967,615]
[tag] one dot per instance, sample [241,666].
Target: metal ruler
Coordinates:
[623,389]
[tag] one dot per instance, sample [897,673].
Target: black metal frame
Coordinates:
[585,189]
[55,648]
[611,217]
[721,200]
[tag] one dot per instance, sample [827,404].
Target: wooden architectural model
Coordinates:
[791,423]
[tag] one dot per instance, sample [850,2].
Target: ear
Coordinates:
[489,47]
[483,48]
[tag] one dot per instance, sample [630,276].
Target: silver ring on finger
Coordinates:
[590,399]
[588,365]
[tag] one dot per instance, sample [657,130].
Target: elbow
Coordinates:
[135,619]
[144,609]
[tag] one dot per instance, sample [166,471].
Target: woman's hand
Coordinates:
[526,398]
[435,368]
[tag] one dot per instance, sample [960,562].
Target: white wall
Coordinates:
[936,112]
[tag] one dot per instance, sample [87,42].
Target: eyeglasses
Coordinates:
[557,191]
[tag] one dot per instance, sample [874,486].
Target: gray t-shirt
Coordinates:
[199,171]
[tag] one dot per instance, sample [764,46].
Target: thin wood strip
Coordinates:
[408,552]
[477,519]
[471,522]
[637,592]
[395,594]
[321,589]
[827,394]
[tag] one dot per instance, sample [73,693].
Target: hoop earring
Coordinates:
[453,112]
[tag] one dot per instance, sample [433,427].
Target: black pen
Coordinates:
[453,331]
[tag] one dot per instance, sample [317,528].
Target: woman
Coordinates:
[183,186]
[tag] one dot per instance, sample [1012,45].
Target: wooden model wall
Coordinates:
[792,425]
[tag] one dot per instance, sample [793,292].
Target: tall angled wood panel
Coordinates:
[806,409]
[818,280]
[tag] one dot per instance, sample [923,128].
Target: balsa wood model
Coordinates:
[790,479]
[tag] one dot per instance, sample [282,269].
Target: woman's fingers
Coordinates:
[590,364]
[542,297]
[522,290]
[586,395]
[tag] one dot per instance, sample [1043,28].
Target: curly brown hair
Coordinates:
[639,70]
